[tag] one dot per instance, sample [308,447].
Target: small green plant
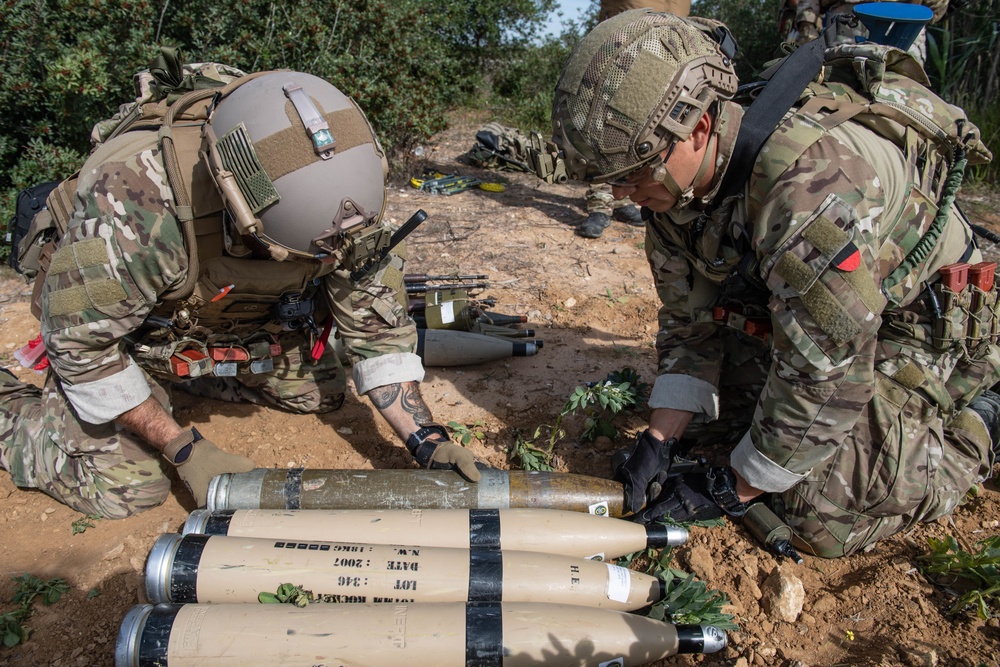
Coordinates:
[620,390]
[980,570]
[286,594]
[526,454]
[81,525]
[28,587]
[686,599]
[465,432]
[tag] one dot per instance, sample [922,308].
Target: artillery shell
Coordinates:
[545,531]
[444,347]
[442,634]
[217,569]
[297,488]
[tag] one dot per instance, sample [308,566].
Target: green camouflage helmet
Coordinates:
[611,113]
[296,161]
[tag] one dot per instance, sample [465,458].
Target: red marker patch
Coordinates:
[848,259]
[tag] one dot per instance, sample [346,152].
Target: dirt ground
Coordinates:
[593,305]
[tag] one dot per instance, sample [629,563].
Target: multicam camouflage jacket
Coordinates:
[792,271]
[124,250]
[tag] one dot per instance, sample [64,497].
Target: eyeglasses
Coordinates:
[635,176]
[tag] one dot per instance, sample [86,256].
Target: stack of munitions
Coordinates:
[416,586]
[455,327]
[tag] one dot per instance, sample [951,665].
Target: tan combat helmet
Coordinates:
[296,161]
[635,84]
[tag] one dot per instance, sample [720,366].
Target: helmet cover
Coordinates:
[634,85]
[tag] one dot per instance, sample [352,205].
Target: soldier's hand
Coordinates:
[695,496]
[644,470]
[198,460]
[449,456]
[432,448]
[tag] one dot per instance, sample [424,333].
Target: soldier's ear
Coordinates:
[702,131]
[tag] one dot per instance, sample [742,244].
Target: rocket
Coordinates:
[216,569]
[539,530]
[444,347]
[298,488]
[440,634]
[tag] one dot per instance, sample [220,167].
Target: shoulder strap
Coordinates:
[782,91]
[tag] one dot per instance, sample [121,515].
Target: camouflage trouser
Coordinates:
[100,469]
[901,465]
[600,200]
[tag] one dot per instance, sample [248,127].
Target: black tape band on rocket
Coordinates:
[155,636]
[690,639]
[293,489]
[484,529]
[485,575]
[218,522]
[483,635]
[184,570]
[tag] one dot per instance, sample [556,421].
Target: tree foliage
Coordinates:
[66,64]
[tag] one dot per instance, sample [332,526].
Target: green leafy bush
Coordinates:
[66,64]
[948,564]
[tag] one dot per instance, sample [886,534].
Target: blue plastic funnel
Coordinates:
[893,23]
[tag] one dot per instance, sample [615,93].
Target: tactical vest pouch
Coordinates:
[258,285]
[39,243]
[950,327]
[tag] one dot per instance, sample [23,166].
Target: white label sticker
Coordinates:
[619,583]
[448,312]
[599,509]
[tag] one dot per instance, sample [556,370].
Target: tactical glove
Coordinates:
[695,496]
[431,448]
[198,460]
[643,470]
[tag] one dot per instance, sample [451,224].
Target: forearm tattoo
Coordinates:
[384,396]
[413,403]
[403,400]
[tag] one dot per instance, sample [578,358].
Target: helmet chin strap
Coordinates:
[684,197]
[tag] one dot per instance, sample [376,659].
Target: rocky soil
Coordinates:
[593,304]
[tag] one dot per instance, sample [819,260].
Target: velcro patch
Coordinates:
[83,297]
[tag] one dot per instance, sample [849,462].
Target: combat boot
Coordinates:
[987,406]
[629,215]
[594,226]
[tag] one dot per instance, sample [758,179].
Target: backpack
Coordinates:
[158,88]
[30,203]
[884,89]
[500,147]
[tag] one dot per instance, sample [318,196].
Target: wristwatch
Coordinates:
[722,486]
[421,445]
[179,449]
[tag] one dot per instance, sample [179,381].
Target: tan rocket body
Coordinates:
[215,569]
[297,488]
[446,634]
[540,530]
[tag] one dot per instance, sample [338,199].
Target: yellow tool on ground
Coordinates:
[448,184]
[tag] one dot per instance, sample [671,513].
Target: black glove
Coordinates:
[643,470]
[695,496]
[432,448]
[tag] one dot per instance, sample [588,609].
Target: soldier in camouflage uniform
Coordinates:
[118,337]
[812,15]
[851,396]
[601,203]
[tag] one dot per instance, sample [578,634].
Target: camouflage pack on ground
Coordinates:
[501,147]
